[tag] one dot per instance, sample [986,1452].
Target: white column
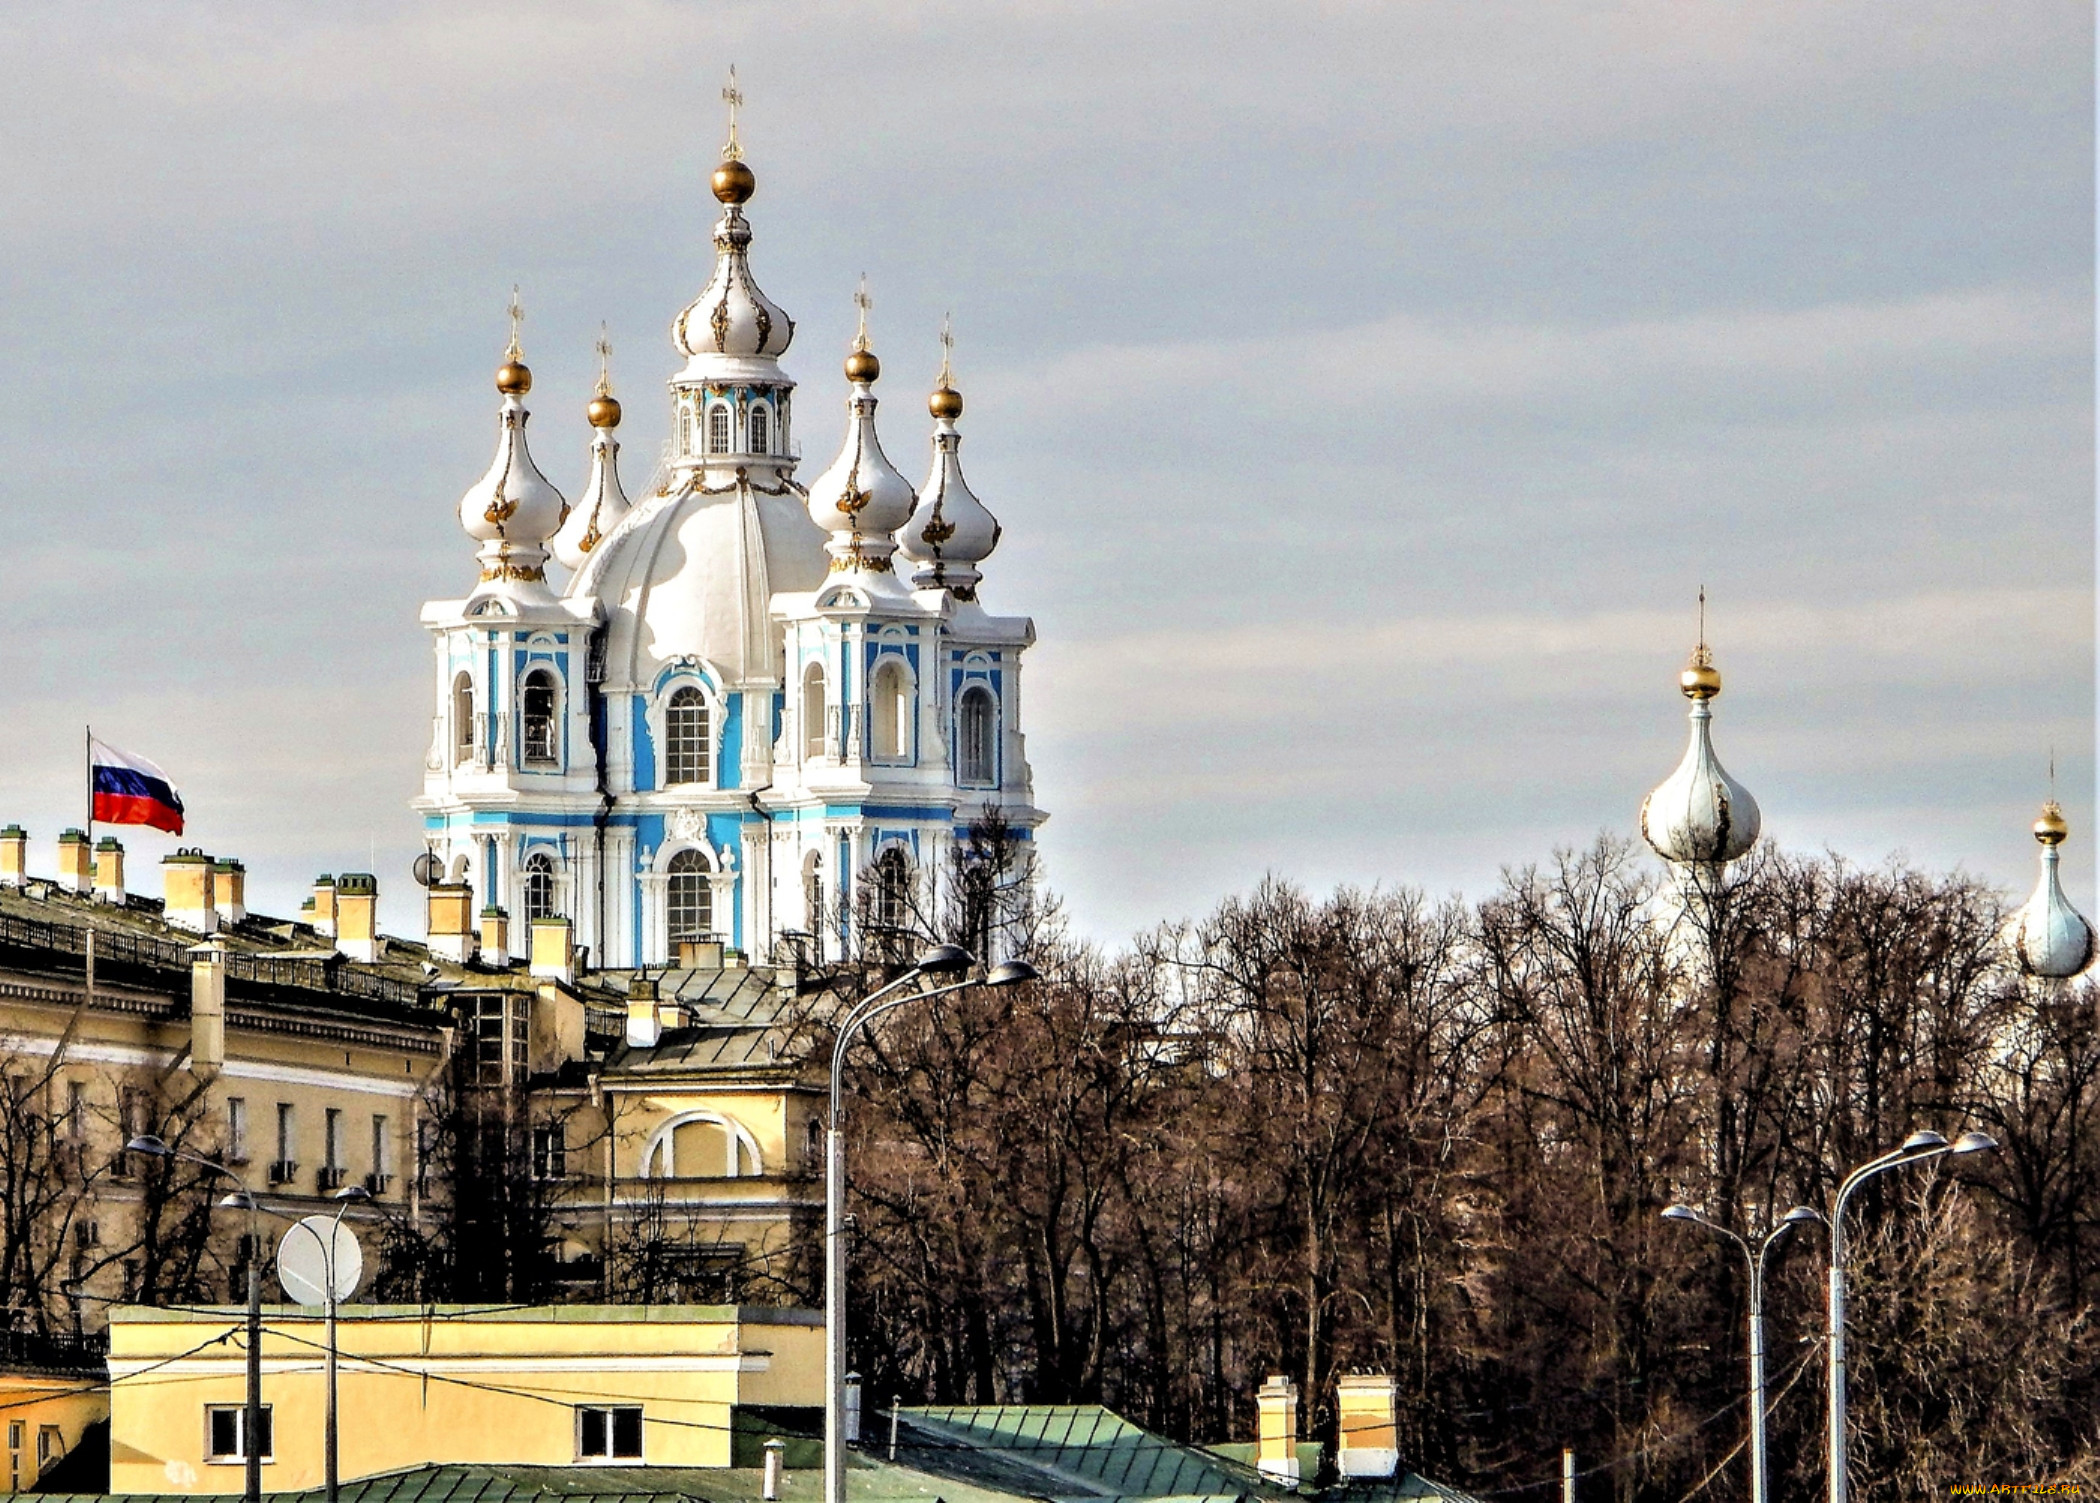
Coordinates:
[619,937]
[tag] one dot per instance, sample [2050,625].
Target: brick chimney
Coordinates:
[76,863]
[109,870]
[642,1029]
[357,917]
[1368,1406]
[553,953]
[186,885]
[1276,1448]
[208,1007]
[14,856]
[319,910]
[449,921]
[230,885]
[495,936]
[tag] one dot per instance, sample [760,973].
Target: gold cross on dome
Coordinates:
[604,363]
[733,150]
[947,346]
[863,302]
[517,319]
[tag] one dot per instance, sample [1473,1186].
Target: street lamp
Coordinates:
[1915,1149]
[941,960]
[1756,1261]
[346,1197]
[251,1410]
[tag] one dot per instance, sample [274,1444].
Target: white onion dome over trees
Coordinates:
[861,500]
[2050,938]
[513,509]
[952,532]
[1699,815]
[604,502]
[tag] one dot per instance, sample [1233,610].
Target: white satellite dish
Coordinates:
[315,1248]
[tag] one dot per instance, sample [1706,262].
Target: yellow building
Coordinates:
[570,1385]
[51,1392]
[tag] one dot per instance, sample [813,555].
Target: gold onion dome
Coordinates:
[603,411]
[1700,679]
[862,365]
[2049,938]
[2051,828]
[733,182]
[945,403]
[513,377]
[1699,815]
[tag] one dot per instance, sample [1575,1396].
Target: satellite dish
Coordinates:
[315,1247]
[427,869]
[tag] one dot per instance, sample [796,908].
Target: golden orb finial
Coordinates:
[603,411]
[514,377]
[1700,679]
[946,402]
[733,182]
[2051,828]
[861,365]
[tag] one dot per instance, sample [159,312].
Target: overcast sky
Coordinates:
[1366,392]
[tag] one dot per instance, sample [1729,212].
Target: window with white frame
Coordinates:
[223,1438]
[718,428]
[687,747]
[814,709]
[976,735]
[761,430]
[462,719]
[542,741]
[539,888]
[890,710]
[550,1150]
[692,899]
[609,1433]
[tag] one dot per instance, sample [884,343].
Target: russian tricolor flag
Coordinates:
[132,791]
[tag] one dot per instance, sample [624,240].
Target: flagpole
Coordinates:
[91,792]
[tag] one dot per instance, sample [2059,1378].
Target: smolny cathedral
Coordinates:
[748,696]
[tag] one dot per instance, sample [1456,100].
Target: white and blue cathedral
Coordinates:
[749,695]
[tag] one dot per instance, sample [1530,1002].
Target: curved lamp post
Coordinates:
[1915,1149]
[1755,1259]
[941,960]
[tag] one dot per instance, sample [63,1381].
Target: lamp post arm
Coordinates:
[865,1012]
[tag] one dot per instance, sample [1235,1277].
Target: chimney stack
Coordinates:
[187,888]
[76,863]
[449,925]
[642,1029]
[1368,1405]
[553,952]
[14,857]
[230,884]
[357,917]
[1276,1451]
[109,871]
[208,1007]
[319,909]
[495,936]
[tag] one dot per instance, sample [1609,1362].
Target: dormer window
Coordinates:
[761,431]
[718,428]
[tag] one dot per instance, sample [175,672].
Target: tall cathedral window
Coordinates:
[889,710]
[692,914]
[462,719]
[686,745]
[540,739]
[718,428]
[539,888]
[813,710]
[892,904]
[761,436]
[977,729]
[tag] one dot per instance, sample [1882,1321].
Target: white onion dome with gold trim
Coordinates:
[861,500]
[732,317]
[513,509]
[603,502]
[1699,814]
[952,531]
[2049,937]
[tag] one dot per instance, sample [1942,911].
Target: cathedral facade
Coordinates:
[750,697]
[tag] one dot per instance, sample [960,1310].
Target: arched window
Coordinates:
[690,427]
[540,731]
[761,434]
[687,746]
[539,887]
[813,710]
[890,710]
[977,730]
[892,891]
[718,428]
[463,719]
[692,913]
[701,1146]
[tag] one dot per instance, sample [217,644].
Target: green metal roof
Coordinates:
[1094,1447]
